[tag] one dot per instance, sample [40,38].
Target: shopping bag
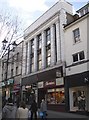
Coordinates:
[29,114]
[41,114]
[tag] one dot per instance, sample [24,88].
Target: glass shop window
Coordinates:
[56,96]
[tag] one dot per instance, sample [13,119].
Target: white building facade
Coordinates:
[77,60]
[44,57]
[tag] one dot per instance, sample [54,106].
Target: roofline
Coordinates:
[82,17]
[83,7]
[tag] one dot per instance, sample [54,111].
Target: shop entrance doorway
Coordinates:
[41,95]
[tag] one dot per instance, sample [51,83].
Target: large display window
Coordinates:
[55,96]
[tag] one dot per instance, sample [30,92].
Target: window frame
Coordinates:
[78,54]
[76,35]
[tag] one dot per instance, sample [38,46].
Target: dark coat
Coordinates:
[33,107]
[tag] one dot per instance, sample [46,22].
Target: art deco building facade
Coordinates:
[44,59]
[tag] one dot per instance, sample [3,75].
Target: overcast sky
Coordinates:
[29,10]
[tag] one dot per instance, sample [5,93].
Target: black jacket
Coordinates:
[33,107]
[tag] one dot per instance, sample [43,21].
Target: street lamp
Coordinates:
[7,49]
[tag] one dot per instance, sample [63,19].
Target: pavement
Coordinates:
[64,116]
[54,114]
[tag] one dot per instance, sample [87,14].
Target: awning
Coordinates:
[46,75]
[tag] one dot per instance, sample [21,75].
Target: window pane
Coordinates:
[76,35]
[40,65]
[32,45]
[81,55]
[32,67]
[75,57]
[39,41]
[48,61]
[55,96]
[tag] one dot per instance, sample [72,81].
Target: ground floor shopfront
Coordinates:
[76,86]
[48,84]
[11,88]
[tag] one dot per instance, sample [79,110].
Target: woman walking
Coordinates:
[22,111]
[43,109]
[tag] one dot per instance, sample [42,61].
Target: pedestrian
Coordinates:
[22,111]
[33,109]
[17,101]
[43,108]
[9,110]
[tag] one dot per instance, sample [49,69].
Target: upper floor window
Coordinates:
[39,60]
[86,10]
[48,39]
[76,34]
[11,72]
[32,63]
[48,56]
[17,56]
[12,59]
[32,46]
[39,41]
[78,56]
[16,70]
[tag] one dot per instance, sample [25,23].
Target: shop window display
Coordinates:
[55,96]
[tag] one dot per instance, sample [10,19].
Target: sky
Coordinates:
[29,10]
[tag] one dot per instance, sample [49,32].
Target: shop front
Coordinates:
[7,89]
[77,92]
[49,85]
[53,93]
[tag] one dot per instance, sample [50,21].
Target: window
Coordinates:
[75,57]
[32,46]
[39,41]
[55,96]
[39,60]
[12,59]
[86,10]
[82,12]
[48,47]
[11,72]
[48,39]
[26,57]
[76,34]
[17,56]
[78,56]
[16,70]
[48,56]
[81,55]
[32,63]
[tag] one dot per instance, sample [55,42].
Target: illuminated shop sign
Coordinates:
[48,83]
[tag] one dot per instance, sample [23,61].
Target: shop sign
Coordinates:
[2,84]
[10,81]
[40,85]
[59,81]
[48,83]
